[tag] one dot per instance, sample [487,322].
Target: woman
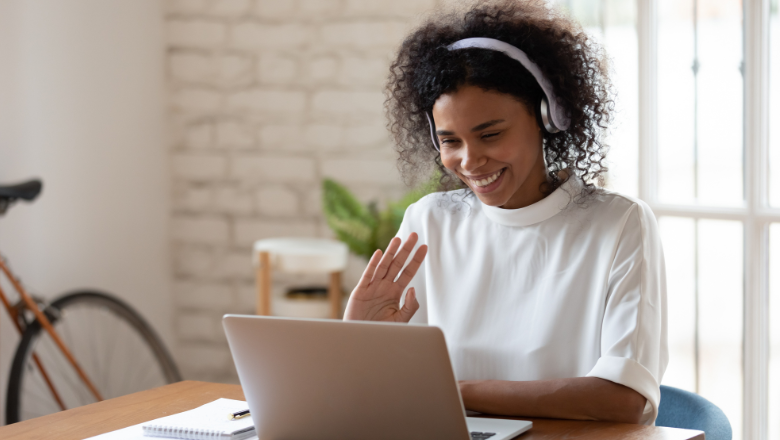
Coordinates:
[550,291]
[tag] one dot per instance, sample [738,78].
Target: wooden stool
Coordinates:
[299,256]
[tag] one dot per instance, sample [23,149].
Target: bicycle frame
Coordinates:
[44,321]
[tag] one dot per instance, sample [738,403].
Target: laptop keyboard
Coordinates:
[476,435]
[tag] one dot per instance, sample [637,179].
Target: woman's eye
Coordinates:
[489,135]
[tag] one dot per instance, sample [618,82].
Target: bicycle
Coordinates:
[82,347]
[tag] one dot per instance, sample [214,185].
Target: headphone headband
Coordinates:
[558,114]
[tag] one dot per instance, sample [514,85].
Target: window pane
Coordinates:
[720,316]
[704,275]
[677,235]
[675,101]
[700,102]
[620,41]
[774,331]
[720,102]
[612,23]
[774,105]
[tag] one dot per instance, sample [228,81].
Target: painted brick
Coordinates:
[196,359]
[364,34]
[191,67]
[275,9]
[175,7]
[191,100]
[378,194]
[197,326]
[200,230]
[273,102]
[322,69]
[287,137]
[199,135]
[202,69]
[196,33]
[324,136]
[190,260]
[249,231]
[272,168]
[193,295]
[233,134]
[246,298]
[235,265]
[255,36]
[234,201]
[229,8]
[348,102]
[312,202]
[361,171]
[355,267]
[364,71]
[366,134]
[277,201]
[199,166]
[191,199]
[321,9]
[277,69]
[384,8]
[234,70]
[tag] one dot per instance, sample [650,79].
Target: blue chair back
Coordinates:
[683,409]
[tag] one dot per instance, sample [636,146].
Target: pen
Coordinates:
[238,415]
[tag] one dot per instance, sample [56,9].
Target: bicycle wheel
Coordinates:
[113,344]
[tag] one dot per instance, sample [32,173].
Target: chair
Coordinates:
[686,410]
[299,256]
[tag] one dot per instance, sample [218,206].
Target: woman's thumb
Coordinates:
[410,305]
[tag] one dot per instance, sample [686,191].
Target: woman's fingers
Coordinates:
[387,259]
[413,266]
[400,258]
[410,306]
[368,274]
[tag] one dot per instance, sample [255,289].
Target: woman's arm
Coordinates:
[578,398]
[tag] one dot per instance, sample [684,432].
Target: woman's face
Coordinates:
[493,143]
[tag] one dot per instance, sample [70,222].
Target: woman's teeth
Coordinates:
[488,180]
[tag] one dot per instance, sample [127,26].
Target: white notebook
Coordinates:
[210,421]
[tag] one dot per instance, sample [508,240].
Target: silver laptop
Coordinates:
[324,379]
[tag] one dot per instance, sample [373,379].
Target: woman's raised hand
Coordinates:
[377,296]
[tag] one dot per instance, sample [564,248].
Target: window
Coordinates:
[774,234]
[698,84]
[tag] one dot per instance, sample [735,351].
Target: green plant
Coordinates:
[363,227]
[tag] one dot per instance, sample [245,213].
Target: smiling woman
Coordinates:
[550,291]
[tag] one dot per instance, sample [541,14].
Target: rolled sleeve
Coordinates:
[632,374]
[634,350]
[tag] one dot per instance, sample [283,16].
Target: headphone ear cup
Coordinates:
[538,113]
[544,116]
[432,126]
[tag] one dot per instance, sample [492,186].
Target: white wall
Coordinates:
[82,106]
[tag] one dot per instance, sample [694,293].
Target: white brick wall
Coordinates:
[268,97]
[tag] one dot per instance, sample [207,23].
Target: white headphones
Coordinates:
[554,117]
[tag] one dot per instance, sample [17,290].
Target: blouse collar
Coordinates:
[537,212]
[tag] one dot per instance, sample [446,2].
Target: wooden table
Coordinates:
[121,412]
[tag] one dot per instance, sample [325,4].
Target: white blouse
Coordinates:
[562,288]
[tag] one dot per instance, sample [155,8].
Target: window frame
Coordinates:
[755,213]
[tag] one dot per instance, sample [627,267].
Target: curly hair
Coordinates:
[424,69]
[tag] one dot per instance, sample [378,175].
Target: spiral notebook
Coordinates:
[209,421]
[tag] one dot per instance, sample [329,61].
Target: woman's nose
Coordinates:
[472,158]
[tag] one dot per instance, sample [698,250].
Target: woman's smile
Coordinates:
[486,183]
